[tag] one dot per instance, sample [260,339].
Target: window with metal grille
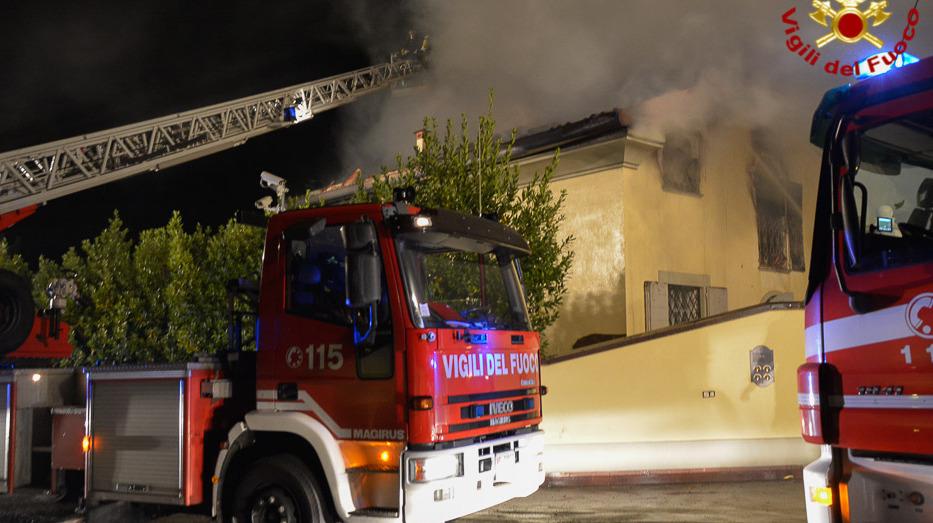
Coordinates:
[795,226]
[683,303]
[772,239]
[668,304]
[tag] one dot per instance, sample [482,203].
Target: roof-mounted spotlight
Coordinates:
[403,194]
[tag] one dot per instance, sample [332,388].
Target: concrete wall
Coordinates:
[641,407]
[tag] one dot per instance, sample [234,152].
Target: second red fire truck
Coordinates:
[866,391]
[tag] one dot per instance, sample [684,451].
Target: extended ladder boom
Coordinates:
[40,173]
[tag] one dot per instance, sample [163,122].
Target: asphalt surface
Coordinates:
[759,501]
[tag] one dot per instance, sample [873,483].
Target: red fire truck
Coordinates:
[866,390]
[396,379]
[396,376]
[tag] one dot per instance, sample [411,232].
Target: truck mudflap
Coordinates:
[441,485]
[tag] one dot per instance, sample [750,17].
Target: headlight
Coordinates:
[435,467]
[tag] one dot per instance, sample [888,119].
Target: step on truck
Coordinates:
[396,378]
[866,389]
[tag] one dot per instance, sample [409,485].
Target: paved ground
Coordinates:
[759,501]
[32,506]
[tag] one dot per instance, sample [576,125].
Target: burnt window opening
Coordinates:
[795,226]
[679,160]
[778,217]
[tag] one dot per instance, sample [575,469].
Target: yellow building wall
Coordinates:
[595,300]
[640,406]
[714,234]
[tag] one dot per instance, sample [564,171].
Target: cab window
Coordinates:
[316,275]
[893,193]
[315,289]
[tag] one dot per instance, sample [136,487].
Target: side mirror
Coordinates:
[364,268]
[851,225]
[852,152]
[850,221]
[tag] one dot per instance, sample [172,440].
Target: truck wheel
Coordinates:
[280,489]
[17,311]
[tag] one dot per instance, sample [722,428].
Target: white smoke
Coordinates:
[674,64]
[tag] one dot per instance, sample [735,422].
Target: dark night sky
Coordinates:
[75,67]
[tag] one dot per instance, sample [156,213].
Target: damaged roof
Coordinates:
[594,128]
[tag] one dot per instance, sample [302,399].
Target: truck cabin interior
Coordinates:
[892,190]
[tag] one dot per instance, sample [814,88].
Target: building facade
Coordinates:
[673,228]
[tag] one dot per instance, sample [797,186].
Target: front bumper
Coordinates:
[451,498]
[817,475]
[874,489]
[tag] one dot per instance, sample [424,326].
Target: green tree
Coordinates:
[233,251]
[472,172]
[105,320]
[158,298]
[12,262]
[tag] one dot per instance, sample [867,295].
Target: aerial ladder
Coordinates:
[33,175]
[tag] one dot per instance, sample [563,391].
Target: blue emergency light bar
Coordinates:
[880,67]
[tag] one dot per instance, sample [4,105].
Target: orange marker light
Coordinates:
[422,403]
[821,495]
[384,456]
[86,443]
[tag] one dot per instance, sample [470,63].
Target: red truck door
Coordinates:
[312,363]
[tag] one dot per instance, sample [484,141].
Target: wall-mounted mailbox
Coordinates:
[761,366]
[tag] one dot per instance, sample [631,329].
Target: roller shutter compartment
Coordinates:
[136,427]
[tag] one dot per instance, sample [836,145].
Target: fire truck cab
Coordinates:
[396,378]
[866,389]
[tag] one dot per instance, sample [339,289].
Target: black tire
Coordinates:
[280,488]
[17,311]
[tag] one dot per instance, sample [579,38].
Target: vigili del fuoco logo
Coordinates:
[847,23]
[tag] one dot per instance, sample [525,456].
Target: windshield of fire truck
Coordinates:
[894,192]
[476,287]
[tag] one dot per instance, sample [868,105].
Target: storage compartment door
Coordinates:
[6,418]
[136,428]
